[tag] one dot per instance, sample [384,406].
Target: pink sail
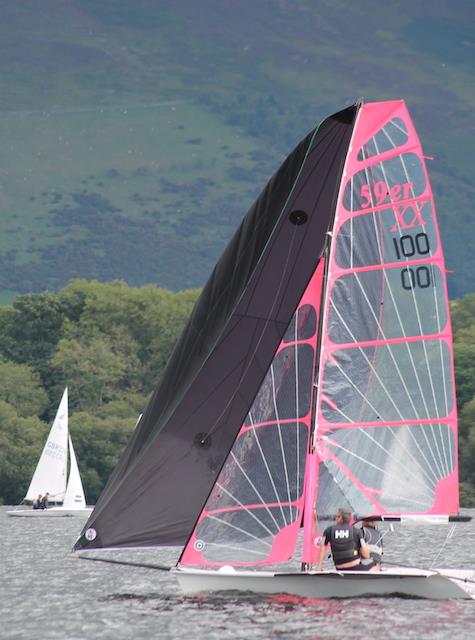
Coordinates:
[385,437]
[254,512]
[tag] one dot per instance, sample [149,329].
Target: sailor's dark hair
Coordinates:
[345,514]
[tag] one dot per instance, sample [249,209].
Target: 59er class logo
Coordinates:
[376,194]
[408,216]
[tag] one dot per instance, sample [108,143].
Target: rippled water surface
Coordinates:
[45,594]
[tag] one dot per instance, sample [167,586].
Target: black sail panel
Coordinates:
[174,456]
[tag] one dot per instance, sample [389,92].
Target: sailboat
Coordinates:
[315,372]
[50,474]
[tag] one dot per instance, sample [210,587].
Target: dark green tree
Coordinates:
[21,442]
[98,444]
[21,388]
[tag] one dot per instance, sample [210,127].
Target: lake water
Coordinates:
[46,595]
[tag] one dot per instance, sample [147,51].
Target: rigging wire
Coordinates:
[448,537]
[141,565]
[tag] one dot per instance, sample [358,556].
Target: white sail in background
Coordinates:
[50,473]
[74,496]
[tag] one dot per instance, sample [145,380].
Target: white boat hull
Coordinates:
[53,512]
[413,583]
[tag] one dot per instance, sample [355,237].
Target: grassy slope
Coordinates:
[137,133]
[96,199]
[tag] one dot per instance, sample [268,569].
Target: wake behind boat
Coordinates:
[51,472]
[315,373]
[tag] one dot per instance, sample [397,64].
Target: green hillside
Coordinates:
[135,135]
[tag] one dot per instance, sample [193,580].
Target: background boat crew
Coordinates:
[347,545]
[37,502]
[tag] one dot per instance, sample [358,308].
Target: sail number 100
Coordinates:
[407,246]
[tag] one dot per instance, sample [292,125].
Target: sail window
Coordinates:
[396,467]
[398,381]
[244,535]
[286,390]
[266,466]
[392,135]
[336,489]
[383,304]
[303,324]
[392,181]
[255,494]
[388,235]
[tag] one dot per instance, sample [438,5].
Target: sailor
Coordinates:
[37,502]
[44,502]
[374,541]
[347,544]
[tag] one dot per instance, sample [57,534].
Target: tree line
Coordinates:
[108,343]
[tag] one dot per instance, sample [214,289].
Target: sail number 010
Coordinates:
[407,246]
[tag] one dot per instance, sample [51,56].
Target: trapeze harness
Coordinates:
[345,542]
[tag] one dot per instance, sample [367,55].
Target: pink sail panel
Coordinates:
[254,512]
[386,424]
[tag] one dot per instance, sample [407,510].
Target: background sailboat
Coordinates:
[315,372]
[51,473]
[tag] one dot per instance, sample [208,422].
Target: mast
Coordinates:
[310,529]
